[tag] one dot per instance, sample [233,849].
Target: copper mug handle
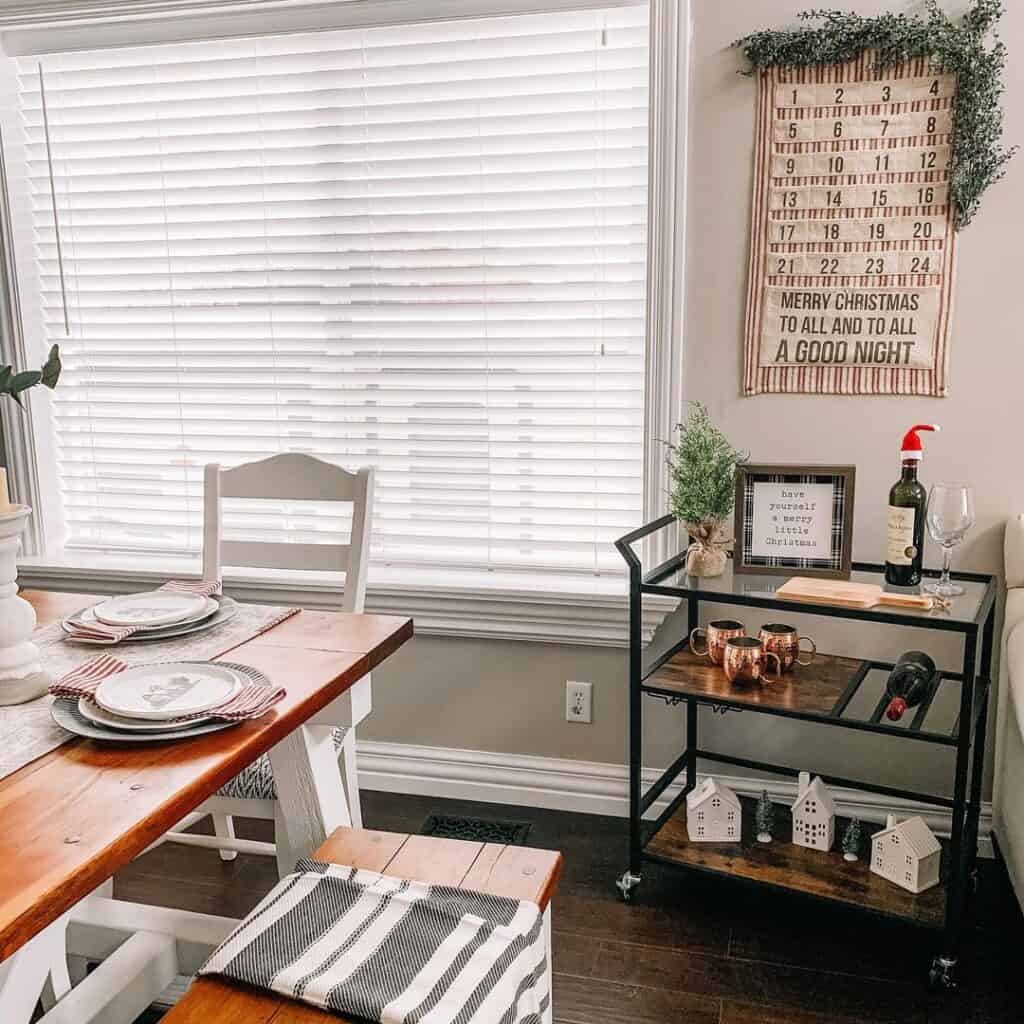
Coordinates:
[778,666]
[693,633]
[810,654]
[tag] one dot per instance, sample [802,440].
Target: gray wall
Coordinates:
[509,696]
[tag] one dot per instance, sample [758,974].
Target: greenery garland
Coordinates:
[977,159]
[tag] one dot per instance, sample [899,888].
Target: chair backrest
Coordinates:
[291,477]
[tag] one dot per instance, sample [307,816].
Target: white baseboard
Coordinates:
[588,787]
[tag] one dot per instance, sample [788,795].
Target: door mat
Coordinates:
[479,830]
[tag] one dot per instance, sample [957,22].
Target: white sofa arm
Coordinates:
[1013,547]
[1014,669]
[1013,550]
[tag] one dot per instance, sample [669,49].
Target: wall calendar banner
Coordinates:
[852,257]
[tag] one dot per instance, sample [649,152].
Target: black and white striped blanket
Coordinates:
[393,951]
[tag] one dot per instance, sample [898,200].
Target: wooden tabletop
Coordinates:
[71,819]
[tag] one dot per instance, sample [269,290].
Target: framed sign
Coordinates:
[852,245]
[794,520]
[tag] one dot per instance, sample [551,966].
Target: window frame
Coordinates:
[552,607]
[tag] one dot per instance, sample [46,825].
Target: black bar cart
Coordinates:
[825,694]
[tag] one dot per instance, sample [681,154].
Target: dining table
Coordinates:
[70,819]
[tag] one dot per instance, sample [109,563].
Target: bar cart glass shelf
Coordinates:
[830,693]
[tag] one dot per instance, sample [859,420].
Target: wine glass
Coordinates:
[950,516]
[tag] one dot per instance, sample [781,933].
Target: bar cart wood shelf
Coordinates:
[830,693]
[785,866]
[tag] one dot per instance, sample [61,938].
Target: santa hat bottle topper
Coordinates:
[905,523]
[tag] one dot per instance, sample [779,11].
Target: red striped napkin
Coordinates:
[251,701]
[96,632]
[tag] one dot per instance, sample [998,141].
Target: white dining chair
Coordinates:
[286,477]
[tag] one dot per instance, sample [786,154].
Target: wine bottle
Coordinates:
[909,682]
[905,524]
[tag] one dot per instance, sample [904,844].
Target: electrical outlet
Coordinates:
[577,702]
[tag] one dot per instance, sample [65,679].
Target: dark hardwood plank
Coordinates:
[782,987]
[591,1000]
[770,932]
[757,1013]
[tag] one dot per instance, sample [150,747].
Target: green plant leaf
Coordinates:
[51,368]
[25,380]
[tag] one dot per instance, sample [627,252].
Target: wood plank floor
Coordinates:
[689,948]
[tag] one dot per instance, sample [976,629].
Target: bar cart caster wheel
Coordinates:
[942,976]
[626,884]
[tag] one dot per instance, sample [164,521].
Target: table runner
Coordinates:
[390,950]
[27,731]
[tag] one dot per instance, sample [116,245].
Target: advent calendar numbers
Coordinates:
[856,233]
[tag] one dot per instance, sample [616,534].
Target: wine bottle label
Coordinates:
[900,548]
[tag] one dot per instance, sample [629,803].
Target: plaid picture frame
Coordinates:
[837,564]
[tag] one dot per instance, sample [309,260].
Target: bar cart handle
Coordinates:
[694,633]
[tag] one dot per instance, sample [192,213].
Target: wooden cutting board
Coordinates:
[846,594]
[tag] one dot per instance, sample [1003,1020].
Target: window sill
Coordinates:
[535,607]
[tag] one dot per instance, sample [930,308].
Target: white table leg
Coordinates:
[24,976]
[310,795]
[350,772]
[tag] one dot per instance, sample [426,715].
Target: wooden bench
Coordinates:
[518,872]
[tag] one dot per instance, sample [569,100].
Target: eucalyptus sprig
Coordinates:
[702,464]
[978,158]
[14,384]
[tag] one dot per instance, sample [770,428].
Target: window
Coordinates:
[421,247]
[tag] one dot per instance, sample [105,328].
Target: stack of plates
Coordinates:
[155,702]
[158,614]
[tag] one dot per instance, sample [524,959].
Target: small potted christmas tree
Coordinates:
[703,467]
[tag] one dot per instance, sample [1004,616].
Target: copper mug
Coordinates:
[784,642]
[746,661]
[716,634]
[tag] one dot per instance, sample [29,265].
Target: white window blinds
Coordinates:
[420,247]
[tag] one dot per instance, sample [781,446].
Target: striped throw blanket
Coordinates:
[392,951]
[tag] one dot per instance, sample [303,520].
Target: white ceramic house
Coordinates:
[814,814]
[713,813]
[907,854]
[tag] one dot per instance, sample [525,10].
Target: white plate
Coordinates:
[227,609]
[98,716]
[168,690]
[65,713]
[211,607]
[155,608]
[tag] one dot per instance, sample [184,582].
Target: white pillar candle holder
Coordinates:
[21,673]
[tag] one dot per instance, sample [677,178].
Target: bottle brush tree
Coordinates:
[852,840]
[764,818]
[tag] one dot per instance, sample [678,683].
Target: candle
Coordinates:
[5,498]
